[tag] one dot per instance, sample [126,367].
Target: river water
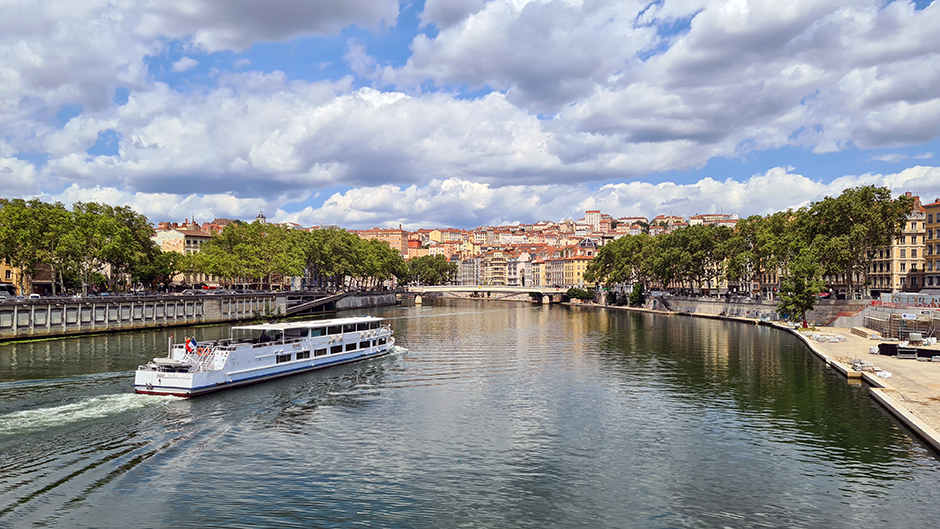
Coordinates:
[490,415]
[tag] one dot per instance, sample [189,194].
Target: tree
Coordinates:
[431,270]
[801,285]
[22,232]
[845,230]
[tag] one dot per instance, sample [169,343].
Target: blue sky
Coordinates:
[466,112]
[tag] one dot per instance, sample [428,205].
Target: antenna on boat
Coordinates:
[169,347]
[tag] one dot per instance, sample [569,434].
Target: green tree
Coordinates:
[845,230]
[431,270]
[21,236]
[801,285]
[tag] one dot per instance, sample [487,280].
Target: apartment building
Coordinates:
[397,239]
[494,268]
[900,267]
[932,244]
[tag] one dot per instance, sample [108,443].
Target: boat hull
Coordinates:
[279,350]
[167,388]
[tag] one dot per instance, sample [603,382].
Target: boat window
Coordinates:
[364,326]
[349,327]
[316,332]
[336,349]
[293,334]
[269,335]
[319,352]
[335,329]
[351,347]
[303,354]
[363,345]
[373,325]
[283,358]
[381,341]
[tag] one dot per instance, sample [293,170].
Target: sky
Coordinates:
[463,113]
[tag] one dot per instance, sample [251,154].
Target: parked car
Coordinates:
[34,296]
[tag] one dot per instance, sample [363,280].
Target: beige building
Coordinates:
[932,244]
[494,268]
[900,267]
[186,239]
[397,239]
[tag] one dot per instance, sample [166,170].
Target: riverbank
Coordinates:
[911,394]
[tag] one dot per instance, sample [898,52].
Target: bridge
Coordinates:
[548,294]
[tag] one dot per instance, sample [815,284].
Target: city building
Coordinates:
[397,239]
[932,244]
[900,267]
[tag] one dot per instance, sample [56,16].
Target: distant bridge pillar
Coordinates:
[417,299]
[546,300]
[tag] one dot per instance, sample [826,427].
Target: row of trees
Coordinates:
[77,243]
[837,235]
[335,259]
[256,253]
[81,242]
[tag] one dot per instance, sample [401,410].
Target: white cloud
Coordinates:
[465,204]
[184,64]
[18,178]
[890,158]
[923,156]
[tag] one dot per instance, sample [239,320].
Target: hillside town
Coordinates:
[559,253]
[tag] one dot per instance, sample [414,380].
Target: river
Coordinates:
[488,415]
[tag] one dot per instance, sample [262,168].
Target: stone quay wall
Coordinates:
[366,300]
[825,312]
[60,317]
[47,318]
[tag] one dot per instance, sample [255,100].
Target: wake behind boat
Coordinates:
[255,353]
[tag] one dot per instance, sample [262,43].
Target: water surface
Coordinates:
[491,415]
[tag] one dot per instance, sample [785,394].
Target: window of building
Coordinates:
[913,226]
[929,234]
[9,274]
[903,267]
[903,239]
[903,253]
[930,218]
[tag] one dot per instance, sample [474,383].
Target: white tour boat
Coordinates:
[269,350]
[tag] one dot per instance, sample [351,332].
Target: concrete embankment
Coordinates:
[911,394]
[48,318]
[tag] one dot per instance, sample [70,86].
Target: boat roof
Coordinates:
[306,324]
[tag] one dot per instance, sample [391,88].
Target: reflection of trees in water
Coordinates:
[766,375]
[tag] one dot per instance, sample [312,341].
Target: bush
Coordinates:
[579,293]
[636,297]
